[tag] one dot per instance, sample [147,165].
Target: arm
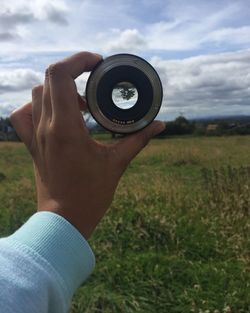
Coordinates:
[76,178]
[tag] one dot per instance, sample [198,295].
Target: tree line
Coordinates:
[179,127]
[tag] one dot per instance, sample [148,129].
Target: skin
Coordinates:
[76,177]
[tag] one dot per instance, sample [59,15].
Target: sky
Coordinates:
[201,49]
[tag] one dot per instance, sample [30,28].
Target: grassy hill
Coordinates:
[177,236]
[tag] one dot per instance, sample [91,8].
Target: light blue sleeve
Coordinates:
[42,264]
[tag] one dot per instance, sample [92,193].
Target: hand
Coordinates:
[76,176]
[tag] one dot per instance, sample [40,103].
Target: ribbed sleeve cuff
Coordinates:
[60,244]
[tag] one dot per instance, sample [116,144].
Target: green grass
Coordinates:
[177,237]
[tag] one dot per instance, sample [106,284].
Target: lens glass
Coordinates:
[124,95]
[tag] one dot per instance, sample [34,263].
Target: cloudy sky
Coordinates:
[201,49]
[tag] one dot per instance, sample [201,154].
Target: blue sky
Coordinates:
[201,49]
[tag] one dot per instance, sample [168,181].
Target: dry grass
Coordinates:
[177,236]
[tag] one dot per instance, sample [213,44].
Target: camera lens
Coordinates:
[124,93]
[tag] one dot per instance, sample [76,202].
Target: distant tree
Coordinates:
[7,131]
[180,126]
[126,92]
[181,120]
[223,125]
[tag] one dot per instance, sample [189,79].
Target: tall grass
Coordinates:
[228,189]
[176,238]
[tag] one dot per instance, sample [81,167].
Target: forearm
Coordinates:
[42,264]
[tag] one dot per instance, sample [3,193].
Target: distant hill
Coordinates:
[233,118]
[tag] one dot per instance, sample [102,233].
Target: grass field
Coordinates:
[177,238]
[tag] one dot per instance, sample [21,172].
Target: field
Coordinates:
[177,238]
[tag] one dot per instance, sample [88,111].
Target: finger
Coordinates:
[78,63]
[63,91]
[37,97]
[21,119]
[130,146]
[46,115]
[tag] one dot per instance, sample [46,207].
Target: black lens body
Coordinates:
[102,81]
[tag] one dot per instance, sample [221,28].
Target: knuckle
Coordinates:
[53,130]
[54,69]
[41,135]
[56,133]
[37,90]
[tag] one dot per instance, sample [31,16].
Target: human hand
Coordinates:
[76,177]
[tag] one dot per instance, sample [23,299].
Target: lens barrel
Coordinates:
[124,70]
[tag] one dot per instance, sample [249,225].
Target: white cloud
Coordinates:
[190,27]
[6,108]
[155,26]
[7,36]
[197,86]
[239,35]
[19,80]
[129,40]
[213,84]
[15,13]
[12,100]
[16,86]
[81,83]
[35,33]
[20,10]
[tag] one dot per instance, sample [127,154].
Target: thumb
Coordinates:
[131,145]
[21,120]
